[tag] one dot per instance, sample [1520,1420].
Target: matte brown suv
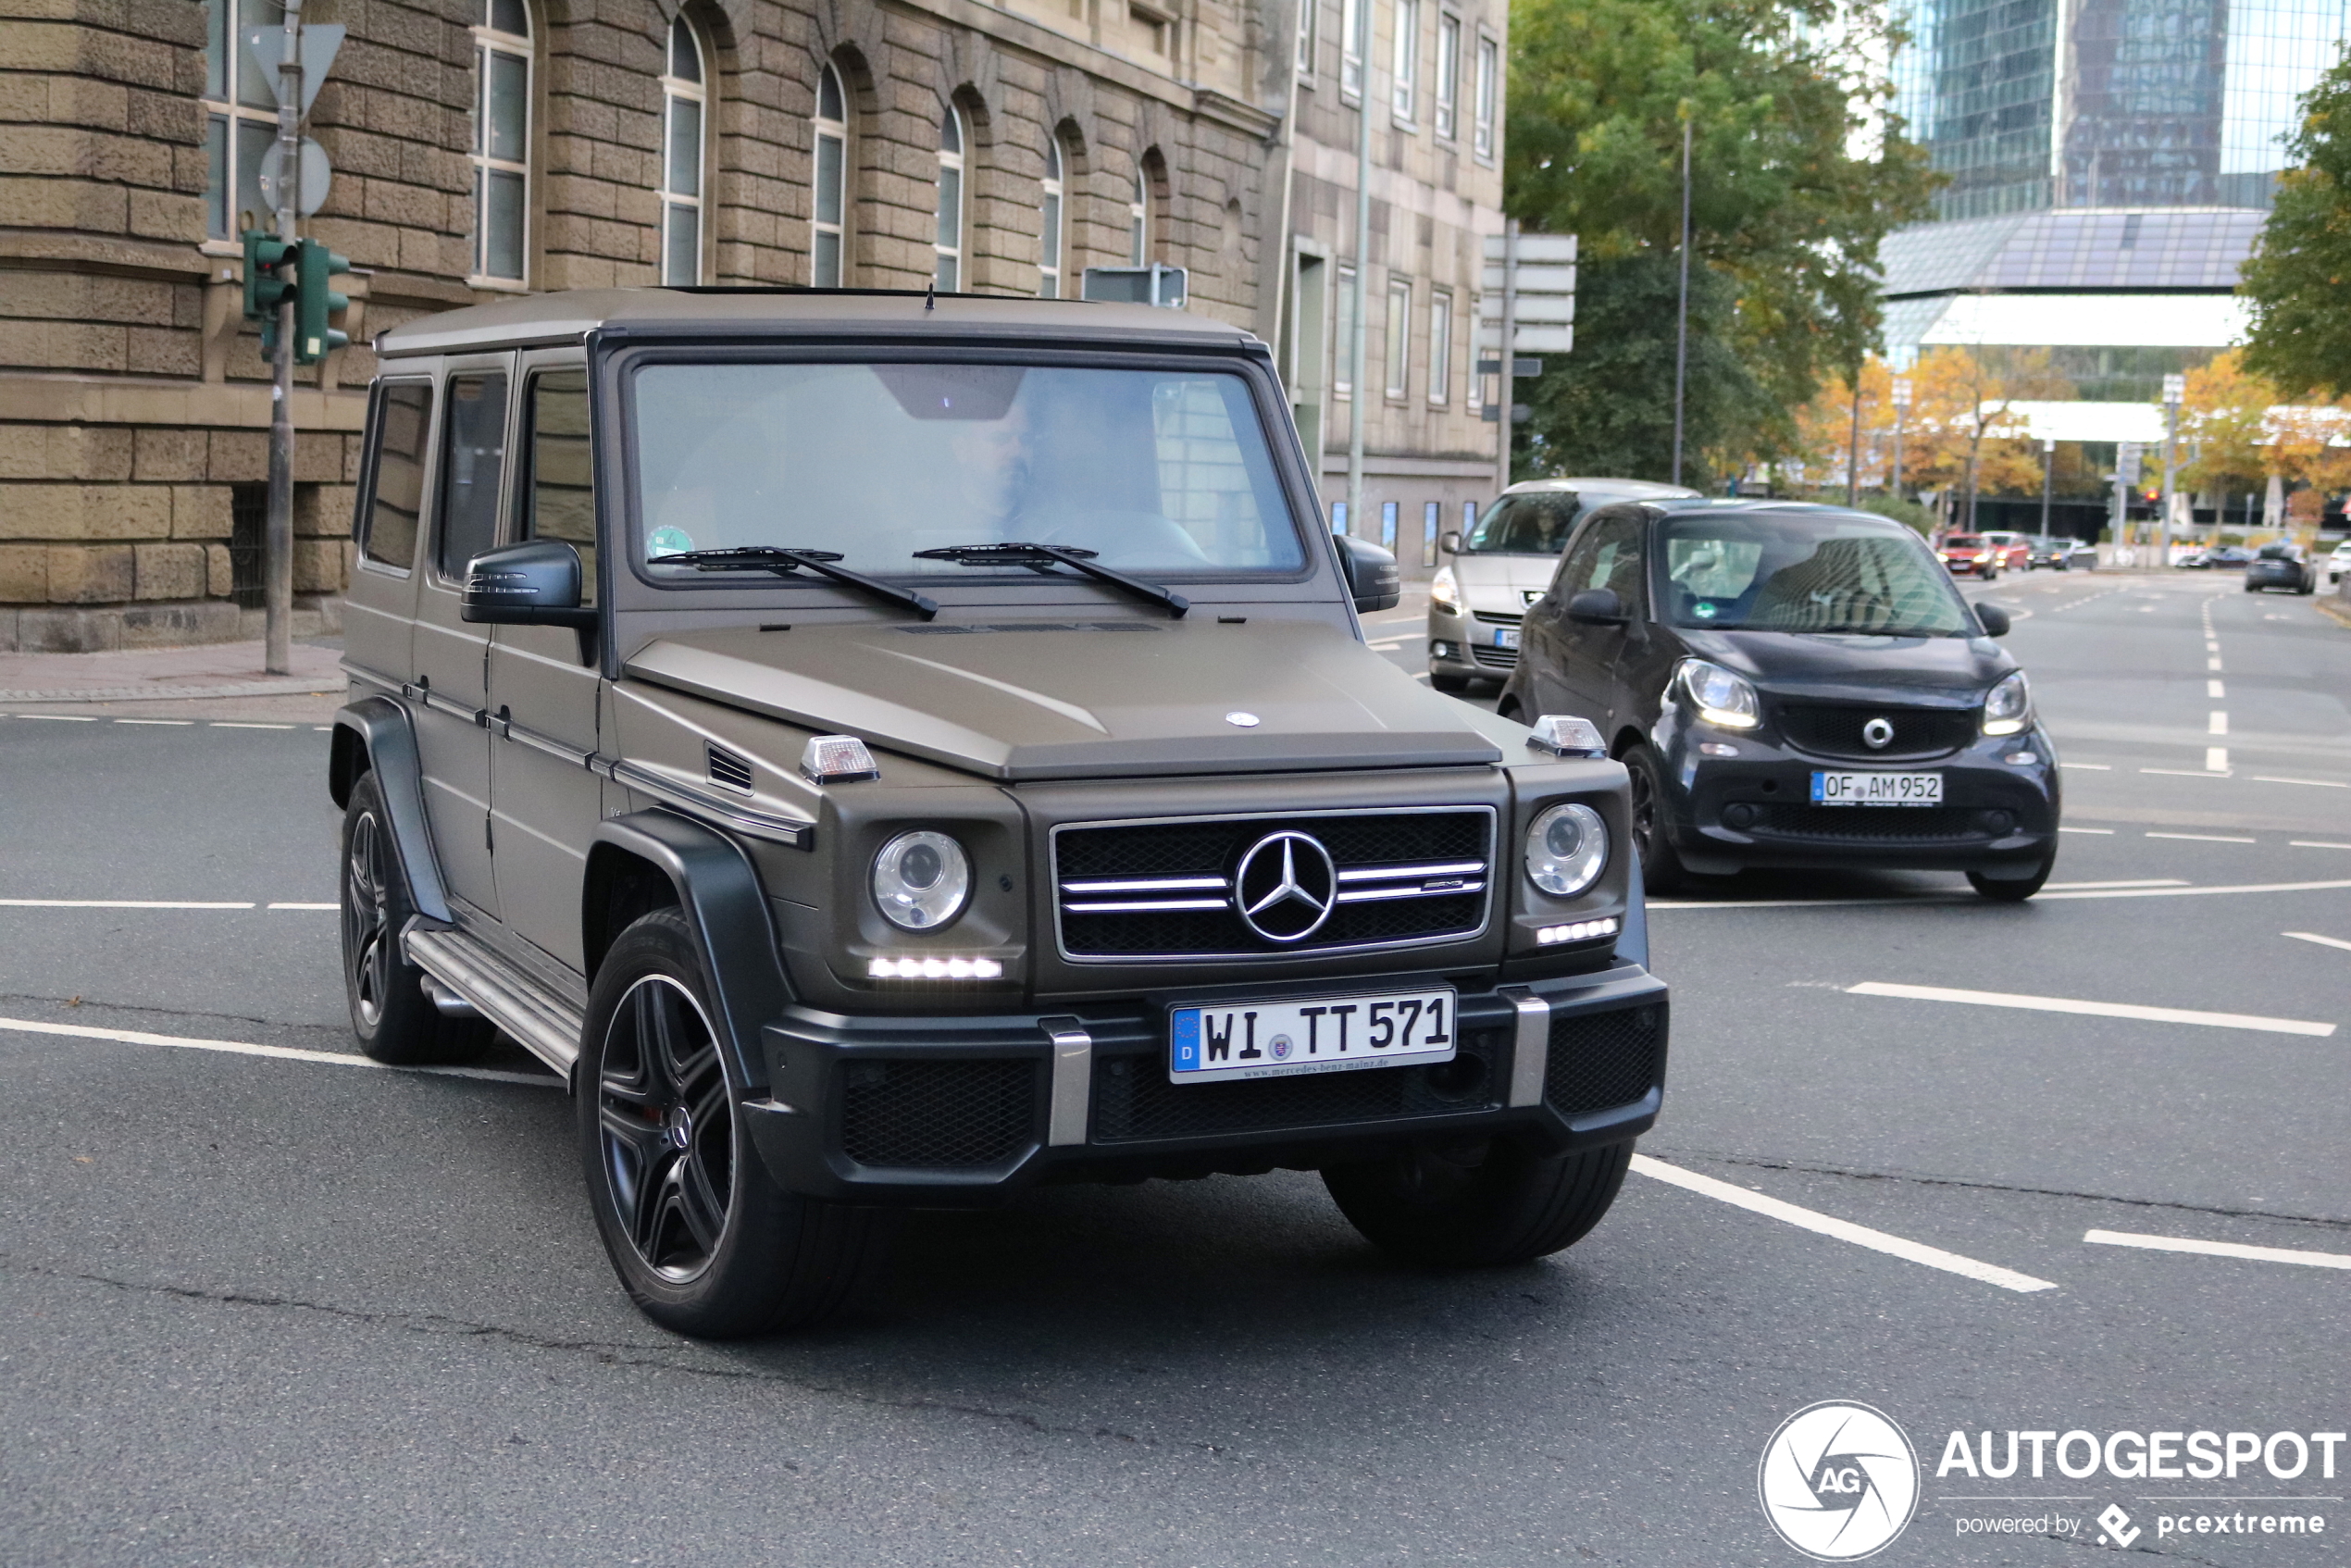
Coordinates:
[890,751]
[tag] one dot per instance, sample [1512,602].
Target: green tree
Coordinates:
[1784,212]
[2298,279]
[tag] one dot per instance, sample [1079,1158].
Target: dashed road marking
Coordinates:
[2314,937]
[282,1053]
[2089,767]
[2215,1248]
[117,904]
[2221,772]
[170,723]
[2314,844]
[2212,689]
[2139,882]
[2216,758]
[2253,1021]
[2205,838]
[2217,724]
[2101,832]
[2313,783]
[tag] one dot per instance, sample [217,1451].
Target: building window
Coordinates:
[1447,86]
[1048,244]
[1387,525]
[1406,60]
[1489,89]
[950,244]
[1343,338]
[832,173]
[1430,514]
[240,117]
[1353,16]
[1441,348]
[1306,12]
[682,120]
[502,142]
[1399,335]
[1138,223]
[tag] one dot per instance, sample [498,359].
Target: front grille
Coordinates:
[1599,1061]
[1132,1100]
[937,1116]
[1167,889]
[1494,658]
[1836,731]
[1875,824]
[1493,617]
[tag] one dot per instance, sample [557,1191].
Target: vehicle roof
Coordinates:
[1631,490]
[1749,507]
[569,316]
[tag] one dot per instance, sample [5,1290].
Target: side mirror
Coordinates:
[1450,541]
[1996,620]
[1371,571]
[531,584]
[1597,607]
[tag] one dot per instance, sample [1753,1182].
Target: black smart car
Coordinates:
[1792,685]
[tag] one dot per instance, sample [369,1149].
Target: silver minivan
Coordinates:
[1504,565]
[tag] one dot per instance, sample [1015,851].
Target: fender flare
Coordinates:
[720,896]
[380,731]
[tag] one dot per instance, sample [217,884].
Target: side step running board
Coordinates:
[541,1022]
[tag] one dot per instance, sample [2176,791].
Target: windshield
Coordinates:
[1843,574]
[1963,541]
[1160,472]
[1527,525]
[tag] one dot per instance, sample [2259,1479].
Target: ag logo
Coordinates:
[1838,1481]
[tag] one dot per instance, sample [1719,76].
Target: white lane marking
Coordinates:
[2314,783]
[173,722]
[305,906]
[1388,642]
[2089,767]
[241,723]
[2102,832]
[2183,892]
[2212,664]
[2212,689]
[2216,758]
[1806,903]
[2314,937]
[1842,1230]
[2314,844]
[284,1052]
[324,728]
[114,903]
[2213,1248]
[62,718]
[2217,724]
[2093,1009]
[2205,838]
[2188,772]
[2067,887]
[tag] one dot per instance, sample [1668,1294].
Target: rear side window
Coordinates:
[473,457]
[394,485]
[560,499]
[1608,554]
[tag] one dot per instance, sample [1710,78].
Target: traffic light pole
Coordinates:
[276,539]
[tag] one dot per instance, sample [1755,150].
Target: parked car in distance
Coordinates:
[2062,553]
[2282,566]
[2338,562]
[1971,555]
[2015,549]
[1793,685]
[1503,565]
[875,765]
[2228,557]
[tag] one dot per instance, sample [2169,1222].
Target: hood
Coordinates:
[1931,671]
[1503,583]
[1021,700]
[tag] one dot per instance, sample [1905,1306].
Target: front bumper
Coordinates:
[956,1111]
[1754,809]
[1461,643]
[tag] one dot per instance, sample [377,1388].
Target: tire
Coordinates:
[2011,892]
[1661,870]
[1480,1203]
[703,1238]
[394,1020]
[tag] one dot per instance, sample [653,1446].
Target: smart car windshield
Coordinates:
[1788,572]
[1159,473]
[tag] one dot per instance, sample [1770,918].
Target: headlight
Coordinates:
[1721,697]
[1444,593]
[2007,707]
[1566,850]
[921,880]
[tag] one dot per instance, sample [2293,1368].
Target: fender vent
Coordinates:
[728,768]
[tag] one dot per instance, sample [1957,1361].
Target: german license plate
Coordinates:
[1877,789]
[1318,1034]
[1506,637]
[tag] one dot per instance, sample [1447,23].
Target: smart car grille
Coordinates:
[1166,888]
[1875,824]
[1599,1061]
[1132,1100]
[937,1116]
[1837,731]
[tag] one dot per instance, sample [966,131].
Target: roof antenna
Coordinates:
[930,295]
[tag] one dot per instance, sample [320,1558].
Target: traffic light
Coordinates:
[266,286]
[314,302]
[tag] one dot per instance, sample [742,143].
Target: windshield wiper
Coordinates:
[1042,558]
[783,563]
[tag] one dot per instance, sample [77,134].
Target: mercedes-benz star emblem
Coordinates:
[1878,734]
[1287,886]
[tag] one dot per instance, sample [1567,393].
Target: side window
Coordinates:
[1607,554]
[560,500]
[472,457]
[395,484]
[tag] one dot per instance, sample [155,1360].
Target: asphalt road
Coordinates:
[271,1309]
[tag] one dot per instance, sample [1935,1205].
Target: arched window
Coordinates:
[1138,223]
[1050,232]
[683,100]
[832,174]
[950,243]
[502,142]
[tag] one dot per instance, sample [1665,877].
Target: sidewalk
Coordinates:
[214,680]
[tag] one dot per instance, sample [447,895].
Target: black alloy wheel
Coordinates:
[394,1021]
[1661,870]
[668,1139]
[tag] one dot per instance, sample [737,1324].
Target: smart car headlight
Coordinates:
[921,880]
[1566,850]
[2007,707]
[1722,697]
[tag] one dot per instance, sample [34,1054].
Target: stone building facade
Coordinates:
[485,146]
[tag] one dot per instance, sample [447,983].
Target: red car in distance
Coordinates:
[1972,553]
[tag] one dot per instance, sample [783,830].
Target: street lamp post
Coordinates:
[2175,392]
[1901,412]
[2049,471]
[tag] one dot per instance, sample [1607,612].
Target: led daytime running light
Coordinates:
[935,968]
[1576,931]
